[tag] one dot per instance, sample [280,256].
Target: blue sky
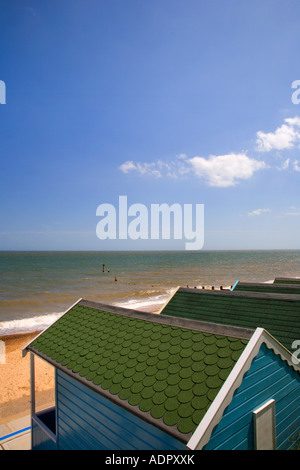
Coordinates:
[164,101]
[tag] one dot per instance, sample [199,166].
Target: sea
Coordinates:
[36,287]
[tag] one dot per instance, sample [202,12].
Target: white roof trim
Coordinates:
[24,349]
[215,412]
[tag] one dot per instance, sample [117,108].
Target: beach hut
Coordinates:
[127,380]
[272,288]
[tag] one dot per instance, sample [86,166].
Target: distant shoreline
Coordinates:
[150,307]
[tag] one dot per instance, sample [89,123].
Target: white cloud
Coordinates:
[284,137]
[142,168]
[294,211]
[173,169]
[258,212]
[284,165]
[220,171]
[127,166]
[225,170]
[295,121]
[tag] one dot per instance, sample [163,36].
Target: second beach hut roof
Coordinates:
[279,288]
[166,370]
[279,314]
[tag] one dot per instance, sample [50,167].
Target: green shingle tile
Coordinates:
[97,380]
[134,399]
[149,380]
[124,393]
[146,405]
[225,362]
[185,396]
[162,374]
[211,359]
[171,404]
[147,392]
[170,418]
[186,361]
[162,355]
[185,410]
[159,398]
[158,411]
[199,365]
[184,353]
[186,372]
[186,425]
[174,368]
[212,369]
[172,391]
[199,377]
[174,358]
[151,369]
[214,381]
[173,379]
[185,384]
[200,402]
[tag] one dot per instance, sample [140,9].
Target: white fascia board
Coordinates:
[215,412]
[280,350]
[24,349]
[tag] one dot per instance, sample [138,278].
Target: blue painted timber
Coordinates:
[87,420]
[268,378]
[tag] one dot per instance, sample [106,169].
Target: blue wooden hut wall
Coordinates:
[87,420]
[268,377]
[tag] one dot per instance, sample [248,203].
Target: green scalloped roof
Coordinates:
[167,374]
[279,314]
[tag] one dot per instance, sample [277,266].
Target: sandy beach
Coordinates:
[15,379]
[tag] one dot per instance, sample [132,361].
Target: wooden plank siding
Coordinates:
[87,420]
[268,377]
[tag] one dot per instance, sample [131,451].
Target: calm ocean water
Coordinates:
[37,287]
